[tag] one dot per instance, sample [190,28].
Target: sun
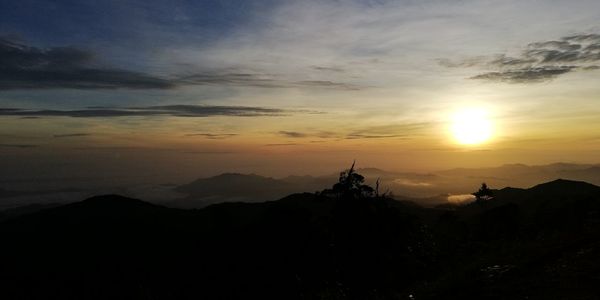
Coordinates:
[471,126]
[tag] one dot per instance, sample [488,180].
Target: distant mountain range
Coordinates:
[234,187]
[424,188]
[429,189]
[537,243]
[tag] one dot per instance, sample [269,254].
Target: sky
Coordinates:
[174,90]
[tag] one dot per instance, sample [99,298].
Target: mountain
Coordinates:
[234,187]
[444,187]
[545,205]
[223,184]
[311,183]
[521,175]
[559,190]
[518,245]
[113,246]
[427,189]
[590,174]
[522,243]
[462,181]
[564,187]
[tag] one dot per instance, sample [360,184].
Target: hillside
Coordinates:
[520,244]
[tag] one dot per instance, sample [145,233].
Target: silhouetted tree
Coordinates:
[483,194]
[351,184]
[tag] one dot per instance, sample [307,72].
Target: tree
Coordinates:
[483,194]
[351,185]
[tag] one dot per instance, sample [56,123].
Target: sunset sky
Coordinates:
[181,89]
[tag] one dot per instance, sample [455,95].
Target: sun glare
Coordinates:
[471,126]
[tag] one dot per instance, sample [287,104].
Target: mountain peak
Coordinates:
[565,185]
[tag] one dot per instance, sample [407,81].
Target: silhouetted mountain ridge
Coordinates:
[422,188]
[565,186]
[331,244]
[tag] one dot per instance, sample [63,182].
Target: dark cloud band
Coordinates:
[25,67]
[165,110]
[21,146]
[68,135]
[260,80]
[213,136]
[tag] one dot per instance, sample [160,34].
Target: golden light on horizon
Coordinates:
[471,126]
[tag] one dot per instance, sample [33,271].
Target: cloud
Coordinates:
[353,136]
[241,79]
[503,60]
[462,63]
[18,146]
[282,144]
[561,45]
[328,69]
[293,134]
[591,68]
[26,67]
[398,131]
[593,47]
[209,152]
[526,75]
[401,131]
[540,61]
[545,56]
[461,199]
[411,183]
[583,38]
[259,80]
[121,148]
[70,135]
[312,134]
[164,110]
[328,84]
[213,136]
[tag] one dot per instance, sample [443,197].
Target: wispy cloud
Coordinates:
[18,146]
[209,152]
[311,134]
[281,144]
[533,74]
[393,131]
[260,80]
[68,135]
[353,136]
[328,69]
[540,61]
[26,67]
[121,148]
[165,110]
[403,131]
[213,136]
[293,134]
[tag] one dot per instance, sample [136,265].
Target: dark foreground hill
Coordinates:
[538,243]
